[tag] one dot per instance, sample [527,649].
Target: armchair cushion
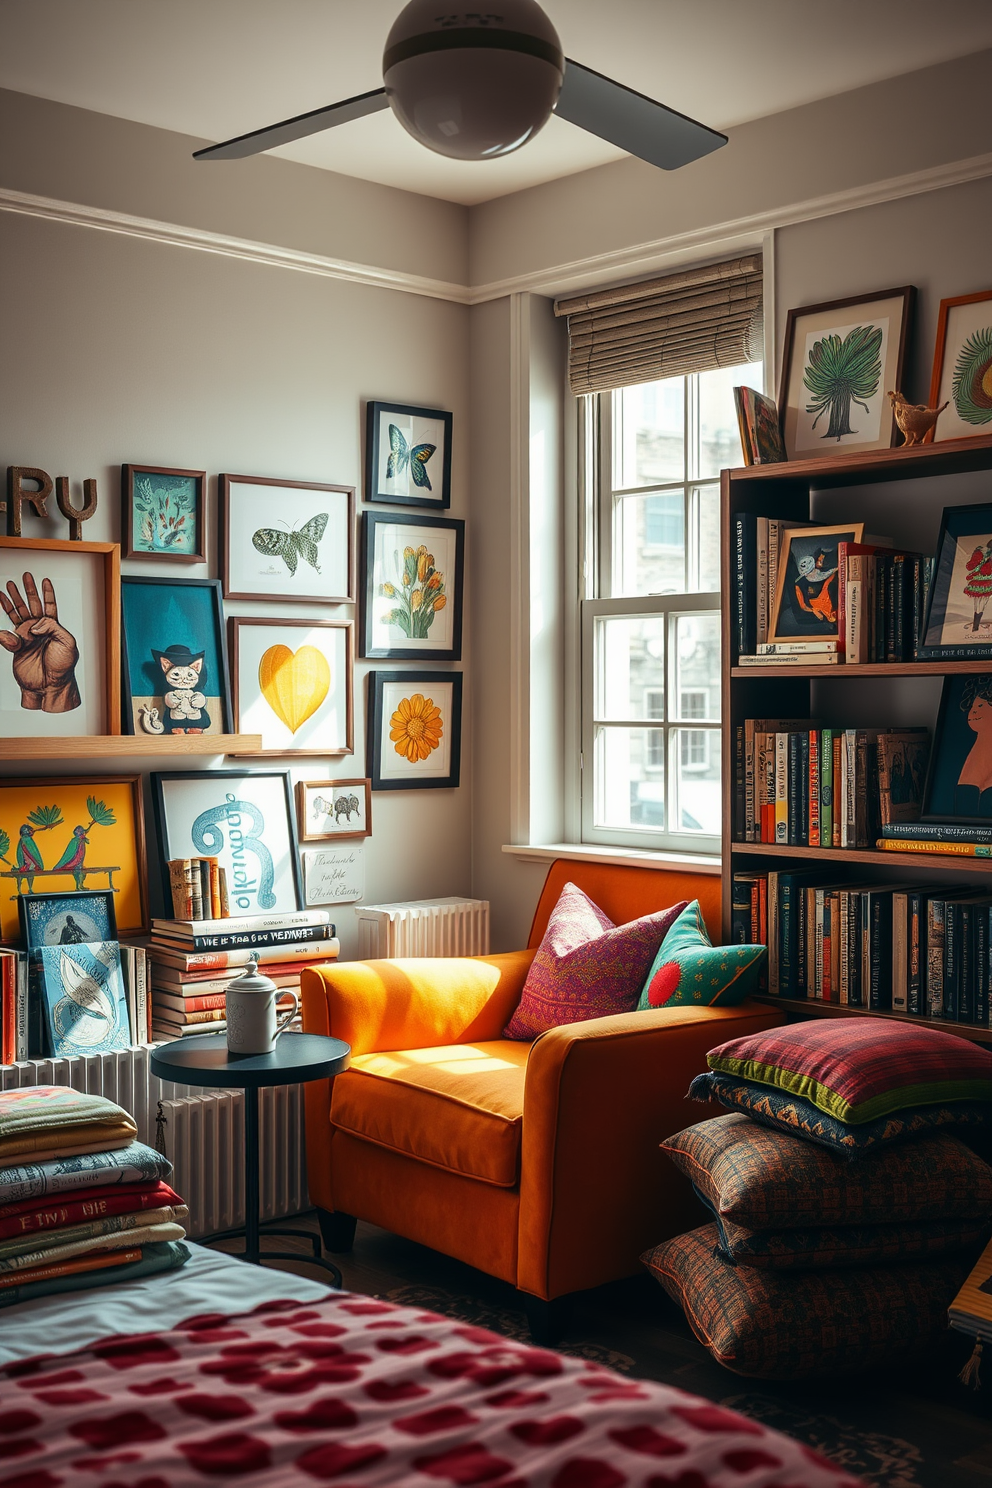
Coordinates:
[586,967]
[689,970]
[458,1107]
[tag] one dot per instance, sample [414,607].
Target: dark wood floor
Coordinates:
[920,1429]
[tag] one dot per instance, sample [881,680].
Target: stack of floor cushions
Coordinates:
[82,1202]
[847,1209]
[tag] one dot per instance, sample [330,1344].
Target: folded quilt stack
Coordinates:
[847,1210]
[82,1202]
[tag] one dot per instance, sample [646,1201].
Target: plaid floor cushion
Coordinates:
[774,1326]
[767,1180]
[849,1245]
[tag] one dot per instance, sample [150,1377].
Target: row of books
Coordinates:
[194,963]
[759,426]
[924,950]
[799,784]
[199,889]
[25,1031]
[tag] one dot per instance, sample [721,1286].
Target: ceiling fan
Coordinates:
[475,85]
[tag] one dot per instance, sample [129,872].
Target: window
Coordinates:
[652,454]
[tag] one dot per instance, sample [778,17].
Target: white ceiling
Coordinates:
[218,68]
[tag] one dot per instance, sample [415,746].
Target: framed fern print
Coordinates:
[413,574]
[962,367]
[286,540]
[408,455]
[840,360]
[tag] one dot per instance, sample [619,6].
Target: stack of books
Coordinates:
[194,963]
[904,948]
[801,785]
[966,840]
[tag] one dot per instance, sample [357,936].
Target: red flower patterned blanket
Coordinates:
[360,1393]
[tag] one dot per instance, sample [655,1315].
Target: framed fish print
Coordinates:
[60,623]
[162,513]
[79,918]
[414,733]
[327,809]
[413,574]
[85,1001]
[962,367]
[839,362]
[242,818]
[806,595]
[62,836]
[175,659]
[286,540]
[408,455]
[292,684]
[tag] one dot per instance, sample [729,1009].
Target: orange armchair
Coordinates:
[537,1163]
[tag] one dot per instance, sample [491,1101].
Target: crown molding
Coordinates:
[273,254]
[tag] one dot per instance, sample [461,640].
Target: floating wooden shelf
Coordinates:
[120,746]
[817,1009]
[917,462]
[867,669]
[922,861]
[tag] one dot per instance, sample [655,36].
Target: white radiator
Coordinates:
[423,927]
[203,1132]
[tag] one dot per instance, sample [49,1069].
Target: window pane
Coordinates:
[696,652]
[630,667]
[649,537]
[649,433]
[697,771]
[719,439]
[706,504]
[630,778]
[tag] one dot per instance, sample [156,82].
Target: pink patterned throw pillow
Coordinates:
[587,967]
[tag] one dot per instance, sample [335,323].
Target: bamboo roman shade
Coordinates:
[691,321]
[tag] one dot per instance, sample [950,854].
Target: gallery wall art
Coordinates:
[408,455]
[414,732]
[286,540]
[328,809]
[59,638]
[292,682]
[85,1001]
[962,367]
[413,578]
[77,918]
[175,658]
[162,513]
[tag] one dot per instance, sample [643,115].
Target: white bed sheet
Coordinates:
[209,1282]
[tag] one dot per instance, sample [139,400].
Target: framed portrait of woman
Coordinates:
[959,616]
[959,781]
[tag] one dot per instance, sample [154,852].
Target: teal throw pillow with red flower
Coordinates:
[690,971]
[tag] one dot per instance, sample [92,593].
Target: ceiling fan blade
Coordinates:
[640,125]
[298,128]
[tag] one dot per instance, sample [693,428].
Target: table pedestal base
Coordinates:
[254,1255]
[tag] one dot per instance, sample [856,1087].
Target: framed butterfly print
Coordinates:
[287,540]
[412,571]
[408,455]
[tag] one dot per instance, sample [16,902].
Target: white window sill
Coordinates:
[588,852]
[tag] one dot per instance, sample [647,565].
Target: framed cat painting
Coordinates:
[287,540]
[175,657]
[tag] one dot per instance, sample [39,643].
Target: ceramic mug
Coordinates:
[253,1025]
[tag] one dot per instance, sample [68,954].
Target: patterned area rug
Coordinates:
[882,1460]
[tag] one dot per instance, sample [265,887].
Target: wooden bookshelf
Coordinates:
[804,1007]
[778,690]
[120,746]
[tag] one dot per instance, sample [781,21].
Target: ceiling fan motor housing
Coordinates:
[473,85]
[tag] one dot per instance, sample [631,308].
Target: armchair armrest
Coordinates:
[599,1097]
[420,1002]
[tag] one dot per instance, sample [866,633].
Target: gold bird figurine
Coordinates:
[914,419]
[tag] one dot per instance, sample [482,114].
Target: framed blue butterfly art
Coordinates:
[408,455]
[283,539]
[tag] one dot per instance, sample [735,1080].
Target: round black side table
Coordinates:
[204,1059]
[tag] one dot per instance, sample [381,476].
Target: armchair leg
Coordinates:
[547,1321]
[337,1230]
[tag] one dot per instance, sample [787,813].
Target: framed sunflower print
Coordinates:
[408,455]
[414,733]
[840,359]
[413,574]
[162,513]
[962,367]
[286,540]
[292,684]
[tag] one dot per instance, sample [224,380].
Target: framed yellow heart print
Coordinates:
[292,683]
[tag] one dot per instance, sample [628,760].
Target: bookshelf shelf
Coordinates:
[120,746]
[791,491]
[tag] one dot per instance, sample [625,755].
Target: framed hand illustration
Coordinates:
[414,733]
[60,638]
[175,660]
[290,540]
[62,836]
[413,573]
[958,612]
[292,684]
[408,455]
[245,820]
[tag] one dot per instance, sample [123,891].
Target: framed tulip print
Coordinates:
[292,684]
[840,360]
[162,513]
[962,367]
[286,540]
[414,733]
[413,573]
[175,659]
[408,455]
